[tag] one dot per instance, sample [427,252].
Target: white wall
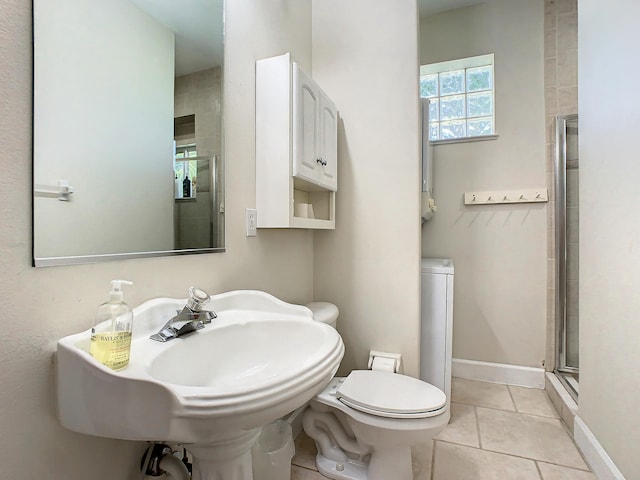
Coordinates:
[114,135]
[609,228]
[499,251]
[365,58]
[41,305]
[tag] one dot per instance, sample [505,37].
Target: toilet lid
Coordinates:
[392,395]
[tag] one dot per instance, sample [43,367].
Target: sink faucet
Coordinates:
[189,319]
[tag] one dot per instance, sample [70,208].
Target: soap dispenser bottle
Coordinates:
[111,334]
[186,187]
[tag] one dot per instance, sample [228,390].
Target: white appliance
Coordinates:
[436,323]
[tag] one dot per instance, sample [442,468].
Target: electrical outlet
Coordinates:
[252,222]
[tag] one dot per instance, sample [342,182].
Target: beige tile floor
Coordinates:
[496,432]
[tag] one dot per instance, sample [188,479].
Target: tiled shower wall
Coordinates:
[561,98]
[200,94]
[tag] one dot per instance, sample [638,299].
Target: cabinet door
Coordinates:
[305,126]
[328,143]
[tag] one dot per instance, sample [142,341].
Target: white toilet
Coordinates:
[365,424]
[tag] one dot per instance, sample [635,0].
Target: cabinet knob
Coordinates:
[321,162]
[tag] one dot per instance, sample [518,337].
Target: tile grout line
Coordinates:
[566,466]
[484,406]
[475,414]
[537,415]
[515,456]
[464,445]
[512,399]
[433,460]
[538,469]
[523,414]
[306,469]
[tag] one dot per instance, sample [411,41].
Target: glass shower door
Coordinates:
[567,244]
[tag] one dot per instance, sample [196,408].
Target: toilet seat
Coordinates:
[390,395]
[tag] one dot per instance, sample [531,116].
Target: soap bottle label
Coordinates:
[111,348]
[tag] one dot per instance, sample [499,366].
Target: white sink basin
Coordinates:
[242,356]
[260,359]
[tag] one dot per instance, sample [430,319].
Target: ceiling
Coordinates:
[198,27]
[431,7]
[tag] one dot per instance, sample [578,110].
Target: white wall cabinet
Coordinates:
[296,148]
[315,127]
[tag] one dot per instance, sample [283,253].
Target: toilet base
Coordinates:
[389,464]
[353,445]
[349,470]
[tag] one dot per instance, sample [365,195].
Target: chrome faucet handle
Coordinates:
[197,298]
[189,319]
[176,328]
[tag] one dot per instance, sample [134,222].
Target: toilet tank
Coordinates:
[324,312]
[436,326]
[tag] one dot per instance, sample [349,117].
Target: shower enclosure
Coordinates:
[567,242]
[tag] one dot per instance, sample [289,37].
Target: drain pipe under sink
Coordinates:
[159,460]
[173,467]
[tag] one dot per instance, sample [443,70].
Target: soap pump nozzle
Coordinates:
[116,295]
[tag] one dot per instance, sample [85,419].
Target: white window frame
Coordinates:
[463,64]
[185,152]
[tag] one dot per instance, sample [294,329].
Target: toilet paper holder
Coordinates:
[385,361]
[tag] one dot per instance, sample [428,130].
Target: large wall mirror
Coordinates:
[128,142]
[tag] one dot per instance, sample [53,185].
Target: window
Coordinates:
[461,97]
[186,166]
[186,151]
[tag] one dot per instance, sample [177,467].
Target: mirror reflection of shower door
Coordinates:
[195,211]
[567,243]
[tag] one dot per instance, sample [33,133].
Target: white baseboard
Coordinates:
[498,373]
[596,456]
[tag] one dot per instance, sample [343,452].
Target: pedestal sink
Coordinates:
[211,390]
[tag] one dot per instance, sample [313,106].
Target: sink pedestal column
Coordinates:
[227,460]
